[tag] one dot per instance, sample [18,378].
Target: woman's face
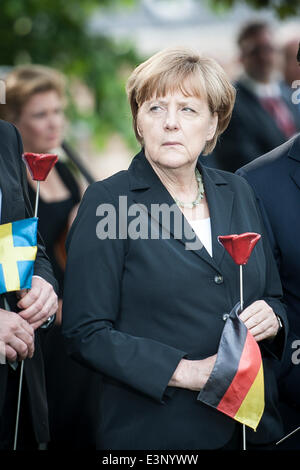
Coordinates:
[41,122]
[175,128]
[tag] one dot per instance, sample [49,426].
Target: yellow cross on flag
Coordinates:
[18,248]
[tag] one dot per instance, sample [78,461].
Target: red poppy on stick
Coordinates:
[240,246]
[39,164]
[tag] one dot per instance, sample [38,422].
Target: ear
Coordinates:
[139,131]
[138,128]
[212,127]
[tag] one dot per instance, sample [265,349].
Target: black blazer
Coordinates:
[134,308]
[275,178]
[15,206]
[251,133]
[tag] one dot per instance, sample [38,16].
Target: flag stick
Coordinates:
[22,362]
[241,288]
[18,406]
[242,308]
[288,435]
[37,198]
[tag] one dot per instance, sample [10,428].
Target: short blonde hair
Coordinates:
[25,81]
[185,70]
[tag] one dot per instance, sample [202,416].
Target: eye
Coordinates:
[188,110]
[40,115]
[155,108]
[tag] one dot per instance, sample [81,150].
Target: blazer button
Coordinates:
[218,279]
[225,316]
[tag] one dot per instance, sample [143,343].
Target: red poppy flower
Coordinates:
[240,246]
[39,164]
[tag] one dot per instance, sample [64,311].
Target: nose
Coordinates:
[55,121]
[171,120]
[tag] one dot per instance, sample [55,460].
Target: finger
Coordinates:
[18,326]
[35,303]
[37,320]
[49,309]
[36,323]
[37,291]
[24,336]
[21,293]
[248,313]
[258,315]
[31,350]
[253,309]
[260,328]
[20,347]
[25,326]
[256,320]
[10,353]
[30,298]
[265,335]
[269,331]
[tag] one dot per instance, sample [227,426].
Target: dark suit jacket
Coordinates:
[275,178]
[251,133]
[16,206]
[134,308]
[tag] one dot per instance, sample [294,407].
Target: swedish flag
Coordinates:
[18,248]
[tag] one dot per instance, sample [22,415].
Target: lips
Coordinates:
[171,143]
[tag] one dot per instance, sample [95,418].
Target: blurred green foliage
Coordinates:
[282,8]
[55,33]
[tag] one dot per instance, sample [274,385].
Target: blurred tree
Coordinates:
[283,8]
[56,33]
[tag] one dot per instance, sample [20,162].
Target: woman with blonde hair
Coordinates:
[145,303]
[35,102]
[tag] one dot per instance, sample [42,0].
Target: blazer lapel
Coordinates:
[295,175]
[220,202]
[148,189]
[3,201]
[294,154]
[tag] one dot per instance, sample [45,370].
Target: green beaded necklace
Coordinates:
[200,193]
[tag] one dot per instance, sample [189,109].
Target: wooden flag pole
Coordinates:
[242,308]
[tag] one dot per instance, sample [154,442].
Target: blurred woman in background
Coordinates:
[35,101]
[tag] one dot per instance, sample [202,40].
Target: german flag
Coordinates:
[236,384]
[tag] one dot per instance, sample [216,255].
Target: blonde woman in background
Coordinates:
[35,102]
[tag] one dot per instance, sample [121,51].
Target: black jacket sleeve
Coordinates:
[273,294]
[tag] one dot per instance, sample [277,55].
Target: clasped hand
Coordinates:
[17,330]
[260,320]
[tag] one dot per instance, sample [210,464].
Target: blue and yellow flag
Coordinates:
[18,248]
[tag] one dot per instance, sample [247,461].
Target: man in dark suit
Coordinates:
[19,335]
[263,116]
[275,178]
[291,72]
